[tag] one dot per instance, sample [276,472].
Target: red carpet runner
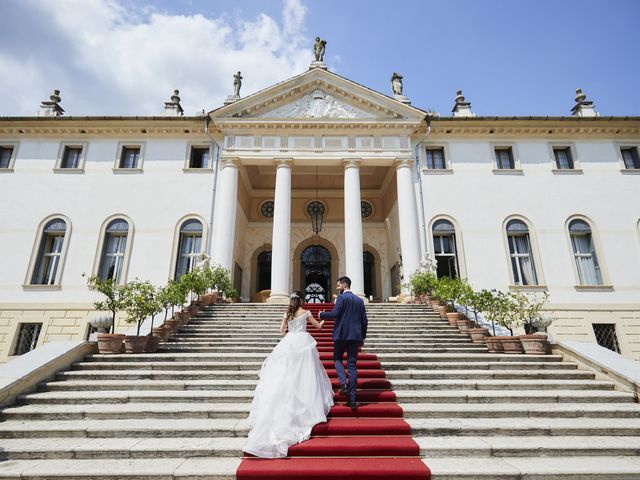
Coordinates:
[372,443]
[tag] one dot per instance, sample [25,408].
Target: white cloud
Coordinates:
[111,59]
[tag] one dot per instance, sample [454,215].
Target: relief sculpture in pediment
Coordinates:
[317,105]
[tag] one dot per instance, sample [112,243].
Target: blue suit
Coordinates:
[349,331]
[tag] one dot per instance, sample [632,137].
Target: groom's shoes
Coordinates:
[343,389]
[352,405]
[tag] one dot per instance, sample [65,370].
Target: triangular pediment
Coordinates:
[321,96]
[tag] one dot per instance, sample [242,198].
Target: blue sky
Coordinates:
[510,57]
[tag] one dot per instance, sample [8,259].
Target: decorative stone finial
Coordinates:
[396,88]
[583,107]
[173,107]
[237,83]
[51,108]
[462,108]
[319,48]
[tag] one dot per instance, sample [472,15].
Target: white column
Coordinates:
[353,226]
[281,240]
[408,218]
[224,220]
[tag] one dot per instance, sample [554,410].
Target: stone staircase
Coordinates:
[179,413]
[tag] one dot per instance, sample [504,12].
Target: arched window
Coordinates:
[189,246]
[584,253]
[264,271]
[444,245]
[113,250]
[50,251]
[522,264]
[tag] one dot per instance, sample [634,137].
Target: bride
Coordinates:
[294,392]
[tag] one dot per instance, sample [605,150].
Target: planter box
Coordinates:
[152,343]
[493,344]
[478,334]
[110,342]
[535,344]
[510,344]
[135,343]
[453,318]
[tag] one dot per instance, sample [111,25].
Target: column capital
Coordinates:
[402,162]
[230,161]
[283,162]
[351,162]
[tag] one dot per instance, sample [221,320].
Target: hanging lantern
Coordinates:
[316,211]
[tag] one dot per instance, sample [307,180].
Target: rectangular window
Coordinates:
[5,156]
[28,337]
[504,158]
[130,157]
[606,336]
[71,157]
[435,159]
[199,157]
[564,161]
[630,157]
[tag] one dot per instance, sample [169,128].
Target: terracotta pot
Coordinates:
[442,311]
[162,332]
[170,326]
[493,344]
[152,343]
[453,317]
[434,304]
[205,300]
[110,342]
[511,344]
[463,324]
[535,344]
[135,343]
[478,334]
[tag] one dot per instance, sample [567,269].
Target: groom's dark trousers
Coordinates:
[339,347]
[349,331]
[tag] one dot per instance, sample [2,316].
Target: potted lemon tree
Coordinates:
[140,303]
[114,302]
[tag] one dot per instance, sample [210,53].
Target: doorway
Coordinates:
[315,272]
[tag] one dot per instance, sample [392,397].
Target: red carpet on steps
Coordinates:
[372,443]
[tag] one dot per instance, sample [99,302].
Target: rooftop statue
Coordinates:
[237,83]
[318,49]
[396,84]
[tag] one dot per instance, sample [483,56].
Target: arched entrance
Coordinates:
[315,272]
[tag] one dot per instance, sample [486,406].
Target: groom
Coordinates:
[349,332]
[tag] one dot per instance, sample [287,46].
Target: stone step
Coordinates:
[504,446]
[132,428]
[543,426]
[371,344]
[474,384]
[533,467]
[484,374]
[395,366]
[521,410]
[408,384]
[185,374]
[168,357]
[213,468]
[476,357]
[119,448]
[404,396]
[109,411]
[389,367]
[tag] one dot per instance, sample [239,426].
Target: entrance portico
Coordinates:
[317,137]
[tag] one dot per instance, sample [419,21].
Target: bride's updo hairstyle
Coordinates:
[295,302]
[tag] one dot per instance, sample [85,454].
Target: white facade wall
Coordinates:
[155,201]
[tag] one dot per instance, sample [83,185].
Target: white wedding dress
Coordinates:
[294,393]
